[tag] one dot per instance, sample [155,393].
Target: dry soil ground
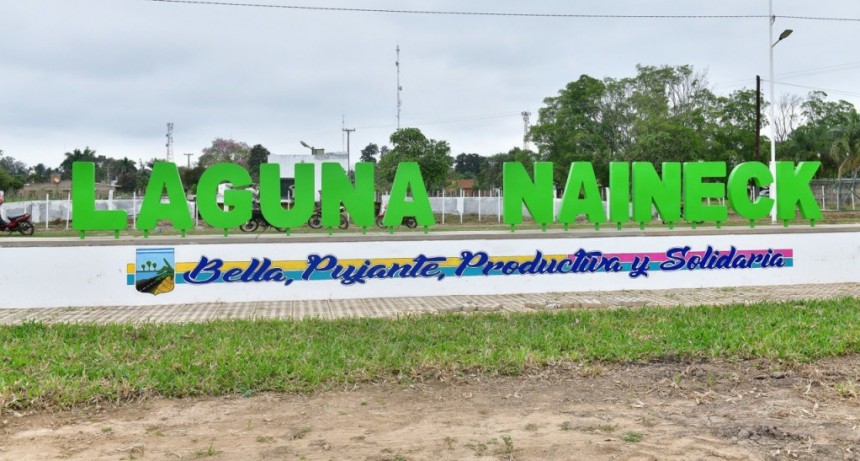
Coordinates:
[714,410]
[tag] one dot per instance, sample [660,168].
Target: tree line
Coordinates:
[661,114]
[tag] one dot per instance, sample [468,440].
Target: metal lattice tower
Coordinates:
[169,141]
[526,114]
[399,88]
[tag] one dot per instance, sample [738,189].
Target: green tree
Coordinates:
[490,175]
[13,174]
[225,151]
[369,153]
[191,176]
[410,145]
[732,136]
[846,156]
[468,165]
[569,125]
[77,155]
[829,132]
[661,114]
[40,173]
[126,175]
[256,157]
[8,182]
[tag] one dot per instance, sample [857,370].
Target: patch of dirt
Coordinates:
[713,410]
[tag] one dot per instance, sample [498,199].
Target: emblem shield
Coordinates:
[154,271]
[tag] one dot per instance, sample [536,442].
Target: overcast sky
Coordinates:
[110,74]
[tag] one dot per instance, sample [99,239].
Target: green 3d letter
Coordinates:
[408,178]
[665,193]
[240,201]
[695,190]
[164,178]
[581,179]
[84,214]
[518,189]
[303,195]
[738,192]
[619,192]
[792,188]
[358,199]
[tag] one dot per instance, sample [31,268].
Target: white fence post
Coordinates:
[443,205]
[479,205]
[461,205]
[47,210]
[499,208]
[823,199]
[68,210]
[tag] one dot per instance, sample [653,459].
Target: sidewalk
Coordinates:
[392,307]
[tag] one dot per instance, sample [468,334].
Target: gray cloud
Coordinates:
[111,73]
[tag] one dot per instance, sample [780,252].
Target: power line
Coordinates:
[503,14]
[821,70]
[465,13]
[808,72]
[849,93]
[820,18]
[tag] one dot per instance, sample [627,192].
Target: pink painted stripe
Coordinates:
[628,257]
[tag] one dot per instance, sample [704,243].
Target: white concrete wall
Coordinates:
[94,275]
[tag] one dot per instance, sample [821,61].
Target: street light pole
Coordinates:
[772,123]
[770,43]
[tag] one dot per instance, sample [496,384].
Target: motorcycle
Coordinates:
[258,221]
[316,219]
[20,223]
[408,221]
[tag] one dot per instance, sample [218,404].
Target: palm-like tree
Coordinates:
[846,155]
[77,155]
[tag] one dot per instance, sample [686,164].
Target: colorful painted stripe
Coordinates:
[294,269]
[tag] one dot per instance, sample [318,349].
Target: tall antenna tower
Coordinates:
[526,114]
[399,88]
[170,141]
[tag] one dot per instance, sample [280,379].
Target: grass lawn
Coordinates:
[64,365]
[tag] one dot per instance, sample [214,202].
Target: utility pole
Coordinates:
[189,159]
[526,114]
[170,141]
[347,131]
[757,118]
[399,88]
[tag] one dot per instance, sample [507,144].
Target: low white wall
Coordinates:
[94,275]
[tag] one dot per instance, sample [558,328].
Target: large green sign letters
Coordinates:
[697,191]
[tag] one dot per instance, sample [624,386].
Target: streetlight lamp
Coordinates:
[782,36]
[314,150]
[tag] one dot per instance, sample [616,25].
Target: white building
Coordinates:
[288,166]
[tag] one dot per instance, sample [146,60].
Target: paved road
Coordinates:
[392,307]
